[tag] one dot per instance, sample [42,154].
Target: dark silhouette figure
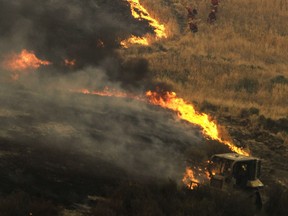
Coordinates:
[212,17]
[193,27]
[192,19]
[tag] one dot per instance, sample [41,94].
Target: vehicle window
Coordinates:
[240,169]
[226,167]
[215,166]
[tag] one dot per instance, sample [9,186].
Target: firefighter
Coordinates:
[212,17]
[192,21]
[214,5]
[193,26]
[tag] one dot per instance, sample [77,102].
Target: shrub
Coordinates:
[279,80]
[247,84]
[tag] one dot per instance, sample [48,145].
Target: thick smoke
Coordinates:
[88,31]
[42,111]
[136,137]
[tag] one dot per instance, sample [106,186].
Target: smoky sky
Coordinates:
[88,31]
[42,110]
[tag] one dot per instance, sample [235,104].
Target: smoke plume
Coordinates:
[42,111]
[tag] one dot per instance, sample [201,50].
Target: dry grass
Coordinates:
[239,62]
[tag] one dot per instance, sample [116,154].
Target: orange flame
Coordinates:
[187,112]
[135,40]
[70,63]
[23,61]
[189,179]
[141,13]
[196,175]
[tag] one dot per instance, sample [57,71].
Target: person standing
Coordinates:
[212,17]
[192,21]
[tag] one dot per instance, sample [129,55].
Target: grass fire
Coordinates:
[141,13]
[23,62]
[141,107]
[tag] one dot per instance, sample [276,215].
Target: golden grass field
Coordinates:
[240,62]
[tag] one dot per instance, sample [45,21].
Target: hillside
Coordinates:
[240,62]
[93,124]
[235,69]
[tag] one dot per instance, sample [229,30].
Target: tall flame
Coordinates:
[189,179]
[141,13]
[169,100]
[187,112]
[23,61]
[135,40]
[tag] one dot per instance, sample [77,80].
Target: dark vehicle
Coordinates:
[234,171]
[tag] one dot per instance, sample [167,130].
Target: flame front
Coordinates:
[24,61]
[189,179]
[135,40]
[187,112]
[192,176]
[141,13]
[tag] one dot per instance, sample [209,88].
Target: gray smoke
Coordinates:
[62,29]
[139,138]
[42,110]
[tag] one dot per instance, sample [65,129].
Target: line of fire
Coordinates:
[141,13]
[238,169]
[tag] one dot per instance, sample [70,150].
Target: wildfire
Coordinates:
[189,179]
[70,63]
[24,61]
[186,111]
[141,13]
[193,176]
[135,40]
